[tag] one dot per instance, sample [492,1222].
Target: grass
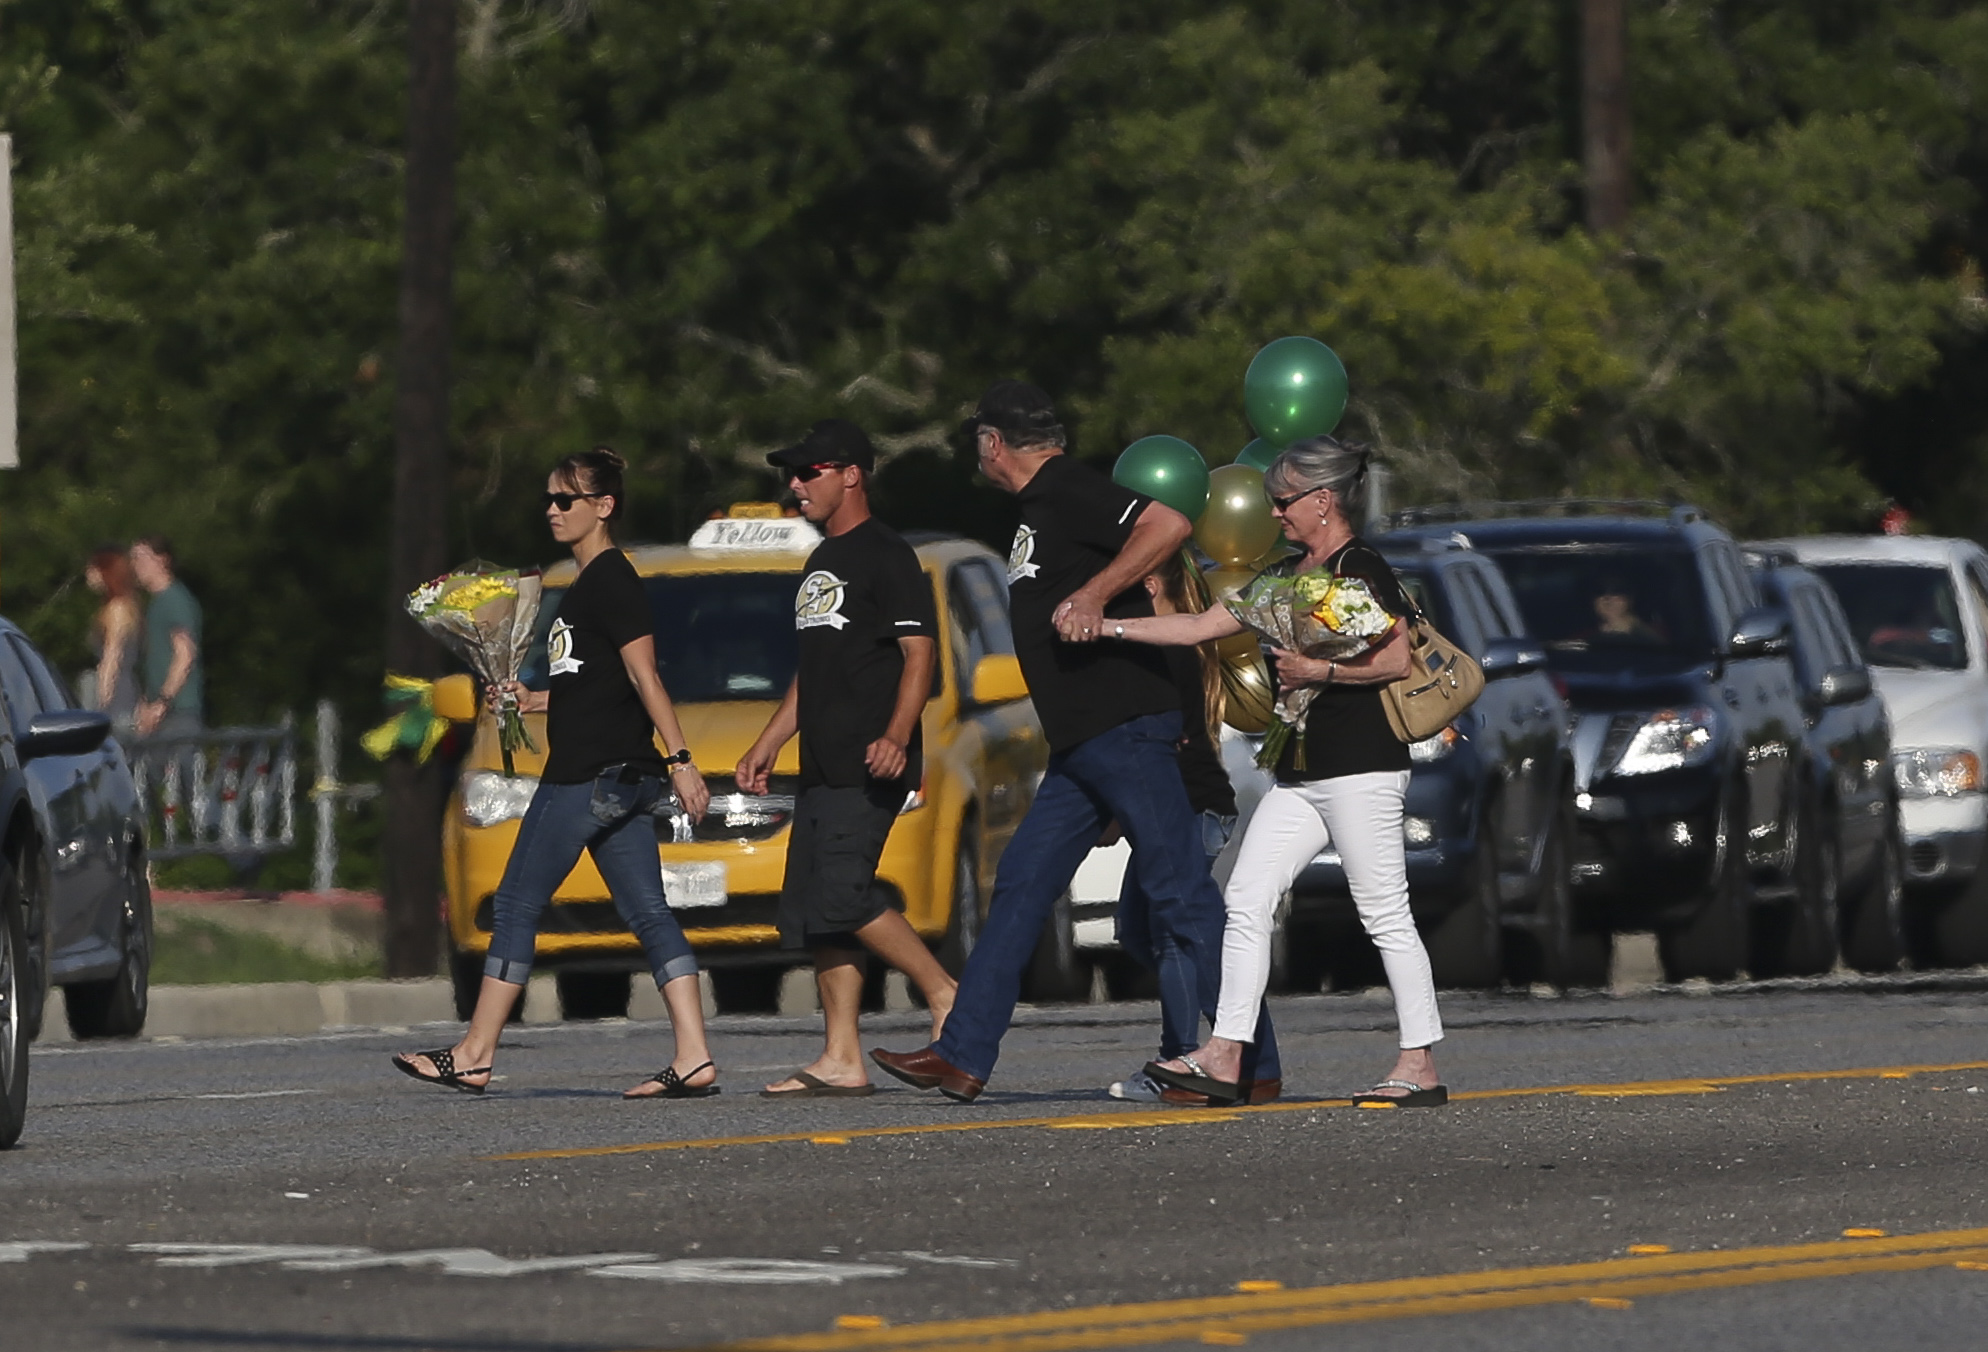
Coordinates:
[195,952]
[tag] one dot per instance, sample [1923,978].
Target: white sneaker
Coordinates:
[1141,1088]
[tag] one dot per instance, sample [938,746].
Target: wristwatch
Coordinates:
[678,758]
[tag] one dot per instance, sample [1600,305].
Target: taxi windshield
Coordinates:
[719,636]
[1904,615]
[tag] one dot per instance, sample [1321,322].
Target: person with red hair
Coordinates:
[116,631]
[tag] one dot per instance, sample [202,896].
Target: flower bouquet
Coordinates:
[1317,614]
[485,615]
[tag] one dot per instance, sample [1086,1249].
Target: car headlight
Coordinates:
[1434,748]
[1670,739]
[489,798]
[1936,773]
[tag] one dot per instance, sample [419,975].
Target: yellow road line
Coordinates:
[1232,1318]
[1181,1117]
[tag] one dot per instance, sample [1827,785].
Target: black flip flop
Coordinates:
[1219,1092]
[444,1059]
[674,1086]
[814,1088]
[1417,1097]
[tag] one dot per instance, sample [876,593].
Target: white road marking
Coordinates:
[748,1271]
[240,1255]
[19,1251]
[956,1260]
[645,1267]
[465,1262]
[258,1094]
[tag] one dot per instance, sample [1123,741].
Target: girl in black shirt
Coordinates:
[1348,795]
[604,706]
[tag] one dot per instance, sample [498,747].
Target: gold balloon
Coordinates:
[1246,693]
[1236,525]
[1243,647]
[1226,581]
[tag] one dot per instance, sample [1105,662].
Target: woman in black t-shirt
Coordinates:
[604,707]
[1349,794]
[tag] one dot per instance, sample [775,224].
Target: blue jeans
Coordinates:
[610,821]
[1160,951]
[1128,774]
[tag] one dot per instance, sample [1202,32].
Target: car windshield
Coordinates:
[719,636]
[1418,590]
[1602,609]
[1903,614]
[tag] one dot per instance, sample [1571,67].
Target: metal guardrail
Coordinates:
[227,791]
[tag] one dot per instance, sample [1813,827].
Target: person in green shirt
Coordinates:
[171,665]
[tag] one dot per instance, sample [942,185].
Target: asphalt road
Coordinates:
[298,1194]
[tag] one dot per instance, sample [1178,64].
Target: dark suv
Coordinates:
[1487,811]
[1850,804]
[1687,724]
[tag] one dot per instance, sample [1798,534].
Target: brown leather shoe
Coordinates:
[926,1069]
[1260,1091]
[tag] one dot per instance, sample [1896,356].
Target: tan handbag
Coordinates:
[1442,681]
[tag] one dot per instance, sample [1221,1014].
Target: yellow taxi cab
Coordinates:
[726,646]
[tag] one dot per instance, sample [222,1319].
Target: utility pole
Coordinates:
[1605,113]
[415,795]
[10,421]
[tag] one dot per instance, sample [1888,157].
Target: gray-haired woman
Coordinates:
[1349,794]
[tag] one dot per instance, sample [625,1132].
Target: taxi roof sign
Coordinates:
[776,535]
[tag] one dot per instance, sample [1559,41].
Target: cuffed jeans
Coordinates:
[1360,815]
[559,824]
[1129,774]
[1182,1001]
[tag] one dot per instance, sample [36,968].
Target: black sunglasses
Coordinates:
[807,474]
[564,501]
[1285,504]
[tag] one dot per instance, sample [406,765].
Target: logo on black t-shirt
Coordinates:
[819,601]
[1021,555]
[559,648]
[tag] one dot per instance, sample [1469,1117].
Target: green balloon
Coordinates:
[1167,470]
[1257,455]
[1295,388]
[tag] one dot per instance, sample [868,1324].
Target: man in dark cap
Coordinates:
[1111,713]
[866,619]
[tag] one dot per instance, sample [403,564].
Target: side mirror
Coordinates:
[998,680]
[455,699]
[1844,685]
[72,732]
[1761,632]
[1511,657]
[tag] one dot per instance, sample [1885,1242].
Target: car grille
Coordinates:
[1923,859]
[601,917]
[736,816]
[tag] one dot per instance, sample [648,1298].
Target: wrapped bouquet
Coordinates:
[485,615]
[1318,614]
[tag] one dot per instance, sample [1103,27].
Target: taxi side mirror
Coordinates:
[998,680]
[455,699]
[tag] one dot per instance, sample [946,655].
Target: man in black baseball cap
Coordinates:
[830,442]
[866,629]
[1111,713]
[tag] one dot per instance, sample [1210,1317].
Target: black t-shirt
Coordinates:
[593,716]
[1346,731]
[1208,786]
[863,591]
[1074,522]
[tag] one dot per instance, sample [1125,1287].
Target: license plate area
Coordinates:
[701,883]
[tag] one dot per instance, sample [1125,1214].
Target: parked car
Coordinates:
[1849,803]
[725,601]
[1686,727]
[1918,610]
[75,909]
[1487,813]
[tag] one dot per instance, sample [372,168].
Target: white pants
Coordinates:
[1361,816]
